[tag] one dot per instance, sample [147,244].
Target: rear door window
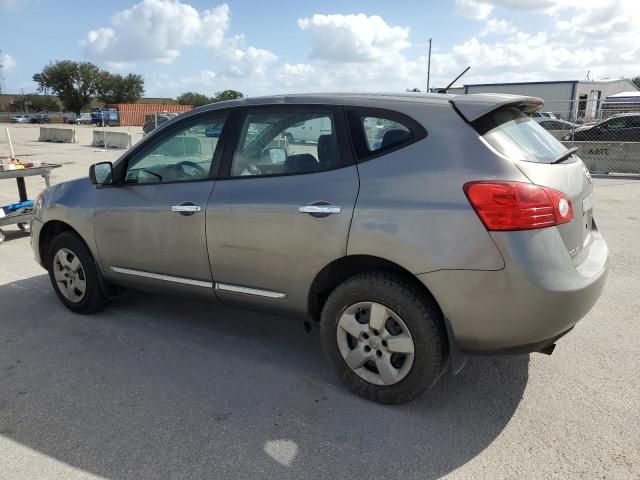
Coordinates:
[616,123]
[515,135]
[277,142]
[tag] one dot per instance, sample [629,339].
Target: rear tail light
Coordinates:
[518,206]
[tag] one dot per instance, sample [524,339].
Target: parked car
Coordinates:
[543,115]
[557,124]
[307,131]
[21,119]
[558,128]
[213,131]
[624,127]
[39,118]
[467,229]
[84,119]
[105,117]
[154,120]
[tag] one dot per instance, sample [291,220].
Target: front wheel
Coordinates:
[384,337]
[74,275]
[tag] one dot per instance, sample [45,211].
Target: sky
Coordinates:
[271,46]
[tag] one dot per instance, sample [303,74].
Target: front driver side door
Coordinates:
[150,228]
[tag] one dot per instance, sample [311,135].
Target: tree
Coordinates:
[413,90]
[115,88]
[74,82]
[33,102]
[636,81]
[198,99]
[194,99]
[227,95]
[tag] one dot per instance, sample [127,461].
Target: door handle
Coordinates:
[320,209]
[186,208]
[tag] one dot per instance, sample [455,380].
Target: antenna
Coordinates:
[444,90]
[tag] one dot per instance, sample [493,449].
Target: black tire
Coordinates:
[419,313]
[94,299]
[24,227]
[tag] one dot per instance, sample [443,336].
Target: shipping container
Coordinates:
[132,114]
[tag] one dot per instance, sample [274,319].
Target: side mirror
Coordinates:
[101,173]
[274,155]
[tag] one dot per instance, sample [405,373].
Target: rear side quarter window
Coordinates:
[376,132]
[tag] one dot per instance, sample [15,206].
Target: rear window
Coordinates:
[515,135]
[376,131]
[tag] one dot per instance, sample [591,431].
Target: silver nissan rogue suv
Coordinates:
[413,229]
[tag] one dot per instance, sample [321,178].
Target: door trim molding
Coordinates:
[166,278]
[225,287]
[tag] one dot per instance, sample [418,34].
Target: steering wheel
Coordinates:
[192,170]
[251,170]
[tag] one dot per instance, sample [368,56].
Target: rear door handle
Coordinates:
[320,209]
[186,208]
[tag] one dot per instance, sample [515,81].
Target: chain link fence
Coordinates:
[607,134]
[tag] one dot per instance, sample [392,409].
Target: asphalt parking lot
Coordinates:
[158,387]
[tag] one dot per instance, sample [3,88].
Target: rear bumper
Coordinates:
[538,297]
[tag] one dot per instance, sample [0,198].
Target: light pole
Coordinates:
[429,66]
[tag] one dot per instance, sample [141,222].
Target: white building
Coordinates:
[568,99]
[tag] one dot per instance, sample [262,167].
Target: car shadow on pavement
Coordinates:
[167,387]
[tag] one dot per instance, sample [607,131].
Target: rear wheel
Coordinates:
[74,275]
[384,337]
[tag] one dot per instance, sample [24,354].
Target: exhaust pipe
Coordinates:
[548,350]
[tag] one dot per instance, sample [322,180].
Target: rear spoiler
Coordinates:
[476,105]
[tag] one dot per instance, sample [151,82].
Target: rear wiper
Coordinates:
[563,156]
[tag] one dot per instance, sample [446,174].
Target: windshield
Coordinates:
[515,135]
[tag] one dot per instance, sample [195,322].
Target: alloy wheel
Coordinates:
[375,343]
[69,274]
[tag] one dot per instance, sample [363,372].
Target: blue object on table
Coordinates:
[17,206]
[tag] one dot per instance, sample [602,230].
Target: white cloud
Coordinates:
[494,26]
[599,36]
[7,62]
[249,61]
[606,22]
[353,38]
[157,30]
[366,53]
[11,4]
[474,9]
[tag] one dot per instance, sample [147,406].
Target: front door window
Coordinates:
[186,155]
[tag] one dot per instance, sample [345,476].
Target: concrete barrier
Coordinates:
[111,139]
[59,135]
[605,157]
